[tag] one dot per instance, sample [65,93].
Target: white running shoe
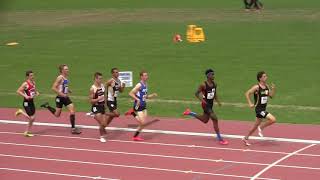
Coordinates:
[90,114]
[103,139]
[246,141]
[260,131]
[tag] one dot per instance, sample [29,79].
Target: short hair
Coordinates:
[61,67]
[209,71]
[28,72]
[142,72]
[97,74]
[260,74]
[113,69]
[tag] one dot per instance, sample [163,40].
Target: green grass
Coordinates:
[238,45]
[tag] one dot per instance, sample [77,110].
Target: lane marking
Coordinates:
[155,155]
[54,173]
[129,166]
[133,153]
[168,132]
[279,160]
[156,143]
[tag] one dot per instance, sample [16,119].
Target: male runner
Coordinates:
[207,93]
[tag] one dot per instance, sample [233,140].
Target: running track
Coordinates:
[56,154]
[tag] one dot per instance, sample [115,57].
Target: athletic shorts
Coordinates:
[207,108]
[96,109]
[29,107]
[112,105]
[140,108]
[261,113]
[62,101]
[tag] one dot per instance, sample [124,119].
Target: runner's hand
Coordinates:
[273,86]
[251,106]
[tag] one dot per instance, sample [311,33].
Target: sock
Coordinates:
[73,120]
[193,114]
[219,137]
[51,109]
[136,134]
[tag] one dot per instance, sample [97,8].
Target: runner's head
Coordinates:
[115,72]
[29,75]
[98,77]
[209,74]
[63,69]
[262,76]
[144,75]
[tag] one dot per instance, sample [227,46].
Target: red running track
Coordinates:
[56,154]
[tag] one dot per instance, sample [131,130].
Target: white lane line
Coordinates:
[133,153]
[168,132]
[278,161]
[129,166]
[165,144]
[155,155]
[156,143]
[54,173]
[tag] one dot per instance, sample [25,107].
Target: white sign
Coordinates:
[126,77]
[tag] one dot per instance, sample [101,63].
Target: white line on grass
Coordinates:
[169,132]
[53,173]
[278,161]
[130,166]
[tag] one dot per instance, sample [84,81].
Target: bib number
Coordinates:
[94,109]
[144,97]
[32,94]
[264,100]
[210,95]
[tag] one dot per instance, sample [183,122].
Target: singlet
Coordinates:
[209,93]
[63,87]
[113,91]
[261,98]
[30,90]
[99,92]
[142,94]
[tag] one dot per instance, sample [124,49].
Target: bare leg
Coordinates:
[112,115]
[254,128]
[141,118]
[270,120]
[31,120]
[203,118]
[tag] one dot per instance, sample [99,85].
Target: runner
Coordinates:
[140,93]
[261,93]
[60,87]
[207,93]
[97,99]
[28,91]
[115,87]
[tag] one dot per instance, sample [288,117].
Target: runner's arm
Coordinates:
[55,87]
[21,89]
[249,93]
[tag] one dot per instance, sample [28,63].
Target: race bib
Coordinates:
[144,97]
[264,100]
[32,94]
[94,109]
[210,95]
